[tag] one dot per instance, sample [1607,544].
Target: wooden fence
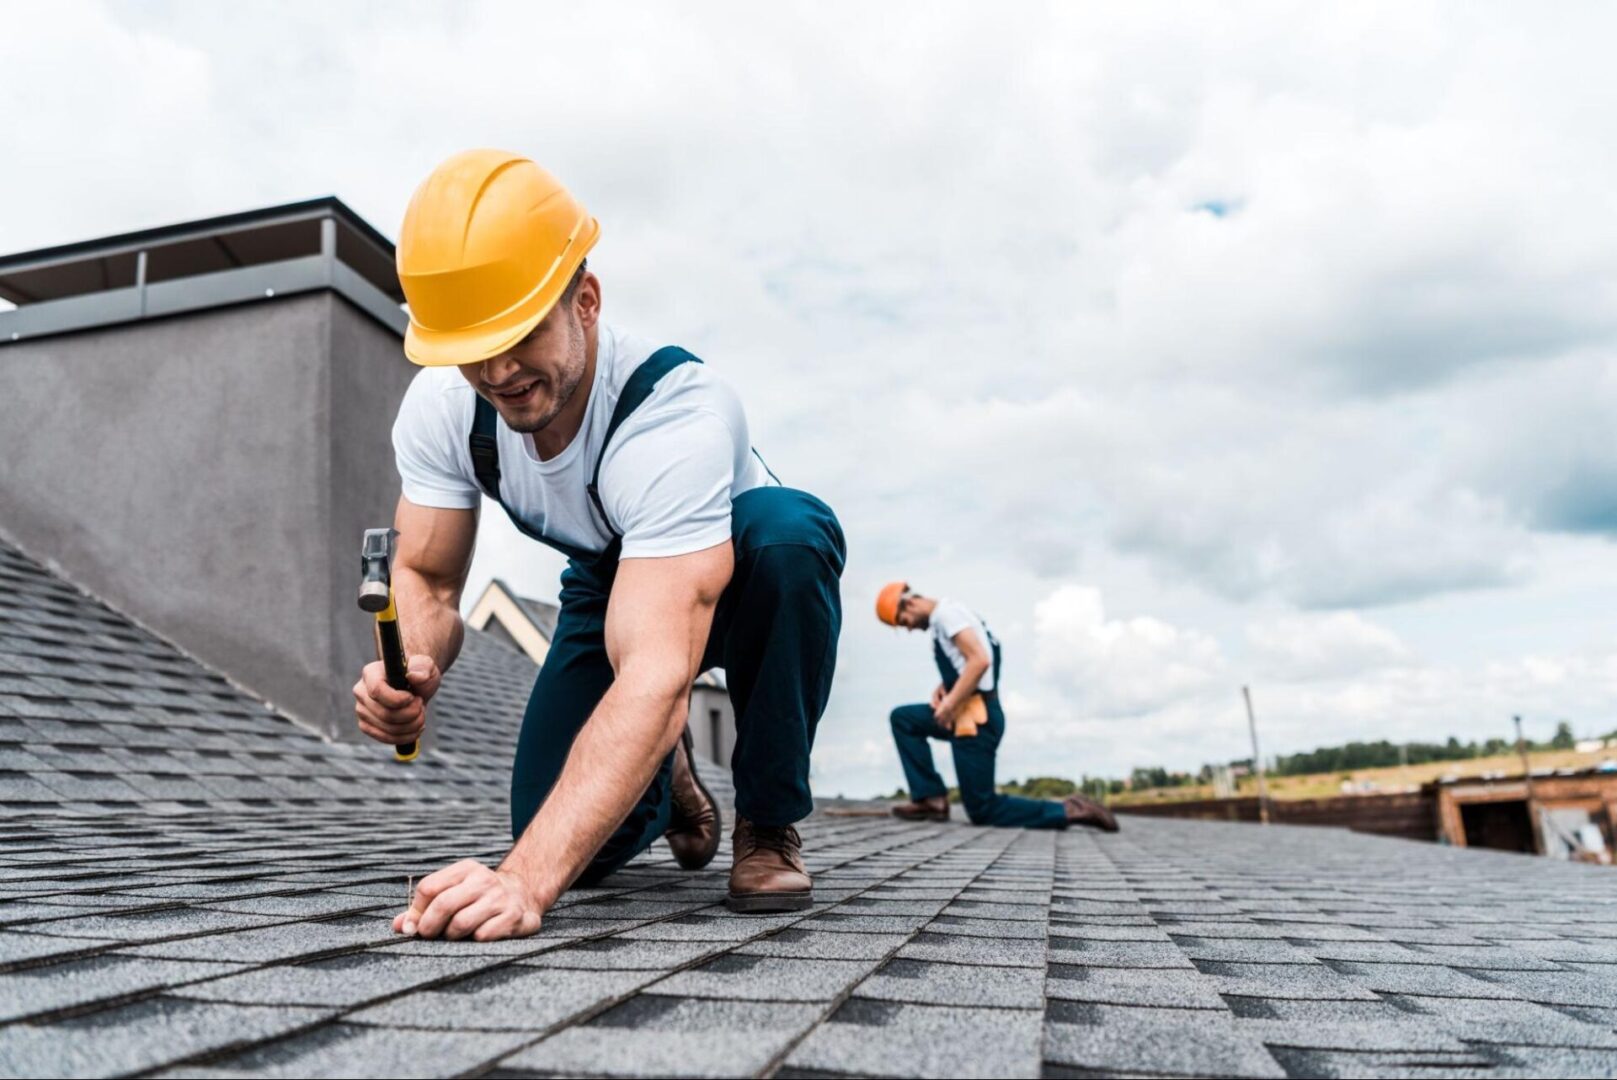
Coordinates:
[1412,815]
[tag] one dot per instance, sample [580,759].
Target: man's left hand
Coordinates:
[469,900]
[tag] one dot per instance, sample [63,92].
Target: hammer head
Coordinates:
[375,556]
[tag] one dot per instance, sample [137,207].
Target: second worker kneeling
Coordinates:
[965,712]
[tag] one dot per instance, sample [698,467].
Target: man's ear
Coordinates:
[587,300]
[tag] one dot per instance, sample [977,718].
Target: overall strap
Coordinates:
[993,647]
[485,447]
[946,671]
[642,381]
[485,450]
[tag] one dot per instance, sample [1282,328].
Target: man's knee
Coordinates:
[978,806]
[525,800]
[777,517]
[907,719]
[792,572]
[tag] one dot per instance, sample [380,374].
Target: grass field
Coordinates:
[1320,785]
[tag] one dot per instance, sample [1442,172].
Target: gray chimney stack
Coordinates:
[196,429]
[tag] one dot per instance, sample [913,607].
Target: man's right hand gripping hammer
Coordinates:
[391,695]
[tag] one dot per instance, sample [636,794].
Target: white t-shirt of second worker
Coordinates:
[666,482]
[948,619]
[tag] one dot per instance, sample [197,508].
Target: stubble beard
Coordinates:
[565,387]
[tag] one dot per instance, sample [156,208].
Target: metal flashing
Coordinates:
[201,265]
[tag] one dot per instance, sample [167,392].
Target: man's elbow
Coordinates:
[439,589]
[662,690]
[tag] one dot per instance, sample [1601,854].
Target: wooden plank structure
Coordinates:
[1510,813]
[1410,815]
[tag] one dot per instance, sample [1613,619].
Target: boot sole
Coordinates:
[761,903]
[923,819]
[718,814]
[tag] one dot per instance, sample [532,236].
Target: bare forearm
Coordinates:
[431,620]
[964,686]
[657,624]
[609,767]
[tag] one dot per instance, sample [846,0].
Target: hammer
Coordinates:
[376,596]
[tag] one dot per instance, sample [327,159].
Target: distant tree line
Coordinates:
[1059,787]
[1156,776]
[1383,754]
[1042,787]
[1327,759]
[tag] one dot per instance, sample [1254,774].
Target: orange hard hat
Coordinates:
[489,244]
[888,599]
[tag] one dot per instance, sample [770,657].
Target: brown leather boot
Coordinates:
[768,873]
[933,808]
[694,827]
[1082,810]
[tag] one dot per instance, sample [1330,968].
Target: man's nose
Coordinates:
[497,370]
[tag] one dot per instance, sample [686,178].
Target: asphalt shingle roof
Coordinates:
[193,886]
[99,715]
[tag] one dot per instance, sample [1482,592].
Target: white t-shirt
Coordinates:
[667,480]
[948,619]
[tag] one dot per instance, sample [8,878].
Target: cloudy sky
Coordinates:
[1194,345]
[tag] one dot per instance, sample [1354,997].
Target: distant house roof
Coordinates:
[525,624]
[528,625]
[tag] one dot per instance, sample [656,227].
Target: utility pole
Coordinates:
[1257,758]
[1521,748]
[1527,779]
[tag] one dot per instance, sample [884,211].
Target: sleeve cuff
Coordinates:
[441,499]
[666,547]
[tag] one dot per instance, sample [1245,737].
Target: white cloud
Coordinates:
[1433,702]
[1235,312]
[1117,667]
[1342,643]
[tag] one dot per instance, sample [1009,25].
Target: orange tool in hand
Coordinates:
[972,714]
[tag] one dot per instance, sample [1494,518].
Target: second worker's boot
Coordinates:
[934,808]
[767,873]
[694,825]
[1082,810]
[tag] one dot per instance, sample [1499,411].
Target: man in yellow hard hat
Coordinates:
[684,552]
[964,712]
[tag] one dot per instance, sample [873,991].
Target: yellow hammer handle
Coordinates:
[390,648]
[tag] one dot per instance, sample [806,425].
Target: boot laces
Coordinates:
[782,838]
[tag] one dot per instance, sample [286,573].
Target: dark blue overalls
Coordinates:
[774,632]
[974,755]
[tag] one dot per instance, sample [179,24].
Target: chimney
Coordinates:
[196,427]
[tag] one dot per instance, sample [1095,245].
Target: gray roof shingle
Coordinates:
[192,885]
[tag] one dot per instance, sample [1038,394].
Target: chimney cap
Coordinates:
[193,265]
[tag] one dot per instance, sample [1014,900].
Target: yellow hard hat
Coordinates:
[489,242]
